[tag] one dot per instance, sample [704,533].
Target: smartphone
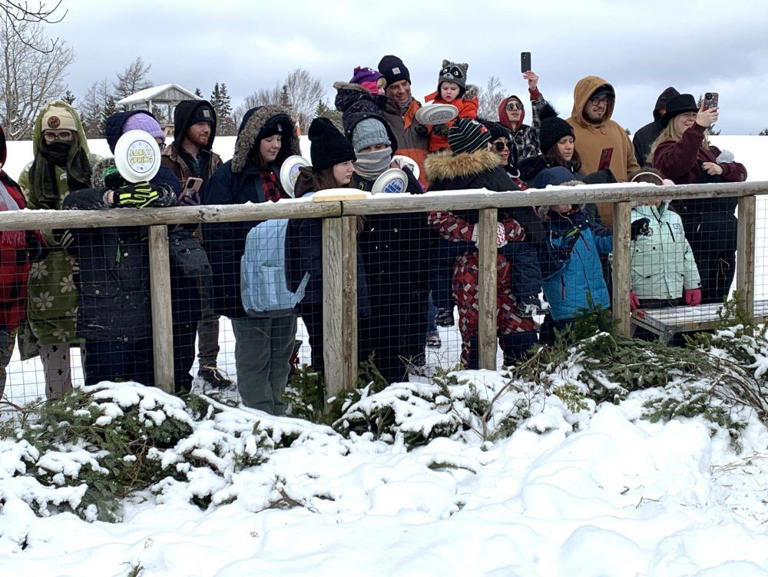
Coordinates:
[605,159]
[525,61]
[710,99]
[192,186]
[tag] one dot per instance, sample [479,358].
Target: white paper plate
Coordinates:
[391,181]
[137,156]
[289,172]
[436,113]
[403,161]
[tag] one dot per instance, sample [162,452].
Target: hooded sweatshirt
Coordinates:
[645,136]
[591,138]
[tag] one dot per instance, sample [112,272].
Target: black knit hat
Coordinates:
[453,72]
[551,130]
[328,146]
[677,105]
[393,69]
[467,135]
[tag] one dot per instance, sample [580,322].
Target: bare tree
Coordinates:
[303,93]
[32,74]
[93,106]
[19,12]
[132,79]
[489,98]
[259,97]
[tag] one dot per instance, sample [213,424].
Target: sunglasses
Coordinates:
[514,106]
[499,146]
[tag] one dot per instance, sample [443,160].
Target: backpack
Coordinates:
[263,288]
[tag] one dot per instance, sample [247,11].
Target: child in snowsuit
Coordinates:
[451,89]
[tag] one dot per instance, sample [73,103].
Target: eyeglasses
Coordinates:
[51,135]
[514,106]
[499,146]
[598,100]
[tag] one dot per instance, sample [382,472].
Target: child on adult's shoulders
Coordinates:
[452,89]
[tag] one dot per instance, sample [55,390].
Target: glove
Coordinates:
[528,306]
[692,297]
[640,227]
[634,302]
[444,317]
[440,130]
[501,235]
[165,197]
[136,195]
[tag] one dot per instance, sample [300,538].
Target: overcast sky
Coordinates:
[640,47]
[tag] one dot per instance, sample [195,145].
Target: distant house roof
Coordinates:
[163,93]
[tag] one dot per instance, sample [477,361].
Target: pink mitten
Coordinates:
[634,302]
[692,297]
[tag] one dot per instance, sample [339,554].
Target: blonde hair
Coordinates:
[671,133]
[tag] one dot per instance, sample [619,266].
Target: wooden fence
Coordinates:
[339,252]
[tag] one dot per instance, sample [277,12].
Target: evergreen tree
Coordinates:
[110,107]
[222,104]
[68,97]
[198,93]
[763,132]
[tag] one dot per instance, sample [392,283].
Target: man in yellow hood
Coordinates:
[593,102]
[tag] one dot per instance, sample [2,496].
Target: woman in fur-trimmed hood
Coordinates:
[263,344]
[472,165]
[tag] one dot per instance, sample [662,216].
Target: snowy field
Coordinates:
[599,493]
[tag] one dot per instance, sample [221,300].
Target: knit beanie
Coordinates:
[453,72]
[367,78]
[551,130]
[467,135]
[553,176]
[328,146]
[145,122]
[203,113]
[369,132]
[58,118]
[393,69]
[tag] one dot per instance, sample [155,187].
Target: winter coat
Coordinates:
[114,279]
[411,135]
[646,136]
[52,293]
[591,139]
[14,257]
[304,253]
[572,276]
[467,106]
[238,181]
[711,220]
[524,139]
[481,169]
[180,161]
[662,260]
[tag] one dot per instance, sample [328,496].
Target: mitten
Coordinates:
[136,195]
[640,227]
[528,306]
[634,302]
[440,130]
[692,297]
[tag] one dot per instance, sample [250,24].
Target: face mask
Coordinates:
[371,164]
[57,151]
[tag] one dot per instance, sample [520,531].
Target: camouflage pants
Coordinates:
[7,340]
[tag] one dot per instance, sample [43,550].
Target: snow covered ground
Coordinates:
[593,494]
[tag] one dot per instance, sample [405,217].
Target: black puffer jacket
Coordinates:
[239,181]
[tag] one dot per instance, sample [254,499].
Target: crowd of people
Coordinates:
[89,288]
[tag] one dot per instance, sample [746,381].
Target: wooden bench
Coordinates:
[667,322]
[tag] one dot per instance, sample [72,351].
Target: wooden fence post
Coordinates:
[486,290]
[745,251]
[162,320]
[621,267]
[339,244]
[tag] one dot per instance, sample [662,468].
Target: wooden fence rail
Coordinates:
[339,251]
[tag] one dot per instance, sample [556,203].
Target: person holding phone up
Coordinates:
[684,155]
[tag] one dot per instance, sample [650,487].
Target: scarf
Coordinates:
[44,187]
[371,164]
[13,238]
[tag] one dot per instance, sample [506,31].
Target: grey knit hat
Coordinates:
[369,132]
[468,135]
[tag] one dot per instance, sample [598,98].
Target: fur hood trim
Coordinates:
[447,166]
[250,128]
